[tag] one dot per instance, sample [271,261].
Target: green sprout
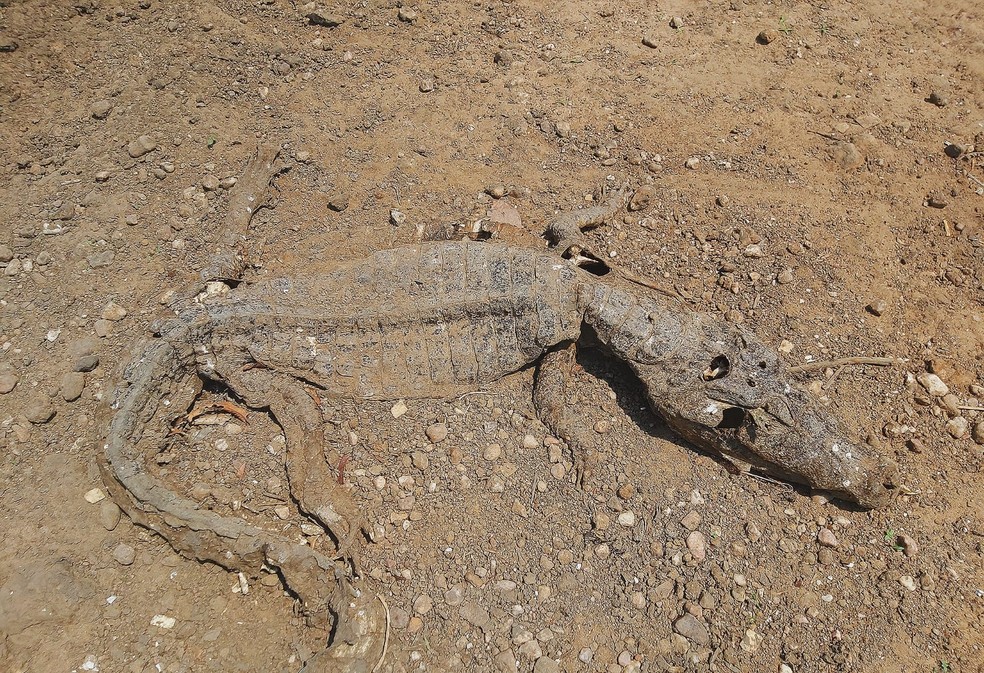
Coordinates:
[784,26]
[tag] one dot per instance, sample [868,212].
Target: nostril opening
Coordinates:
[732,418]
[719,368]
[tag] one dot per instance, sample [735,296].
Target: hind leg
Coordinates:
[313,486]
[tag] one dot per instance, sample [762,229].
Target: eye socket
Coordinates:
[732,418]
[719,368]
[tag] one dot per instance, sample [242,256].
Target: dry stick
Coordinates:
[880,362]
[252,192]
[968,408]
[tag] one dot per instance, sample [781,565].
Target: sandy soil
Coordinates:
[815,172]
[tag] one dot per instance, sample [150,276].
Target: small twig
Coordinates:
[969,408]
[826,135]
[833,376]
[769,480]
[386,637]
[840,362]
[342,463]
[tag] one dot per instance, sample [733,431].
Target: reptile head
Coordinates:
[728,393]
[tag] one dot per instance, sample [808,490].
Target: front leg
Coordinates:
[553,400]
[566,231]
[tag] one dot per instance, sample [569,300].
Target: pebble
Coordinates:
[113,311]
[933,384]
[496,191]
[6,253]
[546,665]
[978,432]
[767,36]
[642,198]
[398,409]
[751,641]
[530,650]
[723,200]
[492,452]
[339,202]
[454,596]
[938,99]
[676,22]
[908,582]
[650,41]
[950,403]
[957,427]
[877,307]
[86,363]
[94,495]
[691,629]
[109,514]
[691,521]
[210,183]
[426,85]
[585,655]
[103,258]
[397,218]
[72,385]
[406,15]
[101,109]
[476,615]
[423,604]
[562,129]
[697,545]
[827,538]
[954,150]
[7,44]
[847,155]
[626,518]
[505,662]
[692,163]
[530,442]
[753,532]
[8,382]
[140,146]
[399,617]
[124,554]
[436,432]
[39,410]
[909,546]
[163,621]
[503,57]
[324,20]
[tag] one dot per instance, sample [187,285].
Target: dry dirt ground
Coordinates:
[821,183]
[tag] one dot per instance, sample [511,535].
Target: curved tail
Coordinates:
[161,373]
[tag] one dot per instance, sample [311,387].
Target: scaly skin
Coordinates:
[432,321]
